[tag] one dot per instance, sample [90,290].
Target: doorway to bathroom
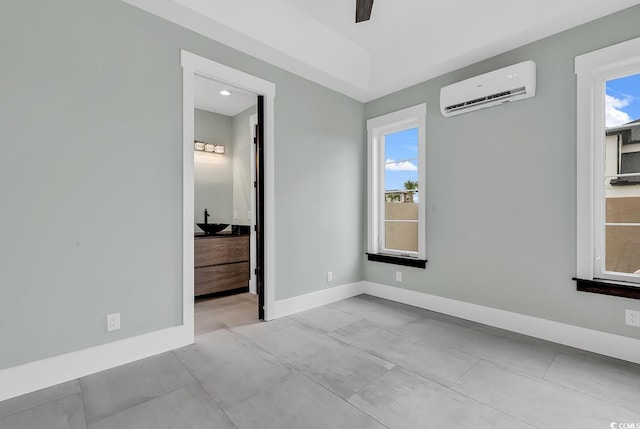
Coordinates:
[224,136]
[226,131]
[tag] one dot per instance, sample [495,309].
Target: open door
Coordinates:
[259,225]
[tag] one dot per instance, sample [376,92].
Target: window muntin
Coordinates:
[396,183]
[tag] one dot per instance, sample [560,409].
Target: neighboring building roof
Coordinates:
[633,125]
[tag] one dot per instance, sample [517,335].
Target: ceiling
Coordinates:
[207,97]
[404,43]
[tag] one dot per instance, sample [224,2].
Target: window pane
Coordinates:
[401,190]
[401,235]
[622,171]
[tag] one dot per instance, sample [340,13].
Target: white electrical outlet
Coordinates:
[330,276]
[632,318]
[113,322]
[398,276]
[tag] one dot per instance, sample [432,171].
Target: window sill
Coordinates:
[397,260]
[606,287]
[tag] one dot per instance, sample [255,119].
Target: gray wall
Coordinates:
[242,147]
[213,172]
[501,190]
[91,175]
[321,185]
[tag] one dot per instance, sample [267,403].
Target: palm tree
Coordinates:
[411,186]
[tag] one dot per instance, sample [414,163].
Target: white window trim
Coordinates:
[411,117]
[593,69]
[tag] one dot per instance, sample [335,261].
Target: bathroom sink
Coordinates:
[212,228]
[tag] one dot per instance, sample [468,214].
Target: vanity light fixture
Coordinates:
[225,92]
[208,147]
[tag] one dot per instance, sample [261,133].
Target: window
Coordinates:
[608,179]
[397,187]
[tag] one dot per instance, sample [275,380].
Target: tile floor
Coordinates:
[359,363]
[225,312]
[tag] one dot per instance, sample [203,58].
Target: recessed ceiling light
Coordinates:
[225,92]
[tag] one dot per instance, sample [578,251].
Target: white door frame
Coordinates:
[191,65]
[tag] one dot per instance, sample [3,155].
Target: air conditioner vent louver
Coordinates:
[487,99]
[511,83]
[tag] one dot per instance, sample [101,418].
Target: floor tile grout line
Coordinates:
[241,337]
[474,326]
[331,392]
[207,392]
[451,388]
[323,331]
[273,355]
[553,383]
[42,403]
[427,341]
[351,346]
[411,337]
[296,371]
[376,354]
[395,365]
[588,394]
[84,406]
[211,398]
[460,350]
[546,372]
[146,401]
[465,373]
[319,384]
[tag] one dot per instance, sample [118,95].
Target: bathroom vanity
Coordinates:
[221,262]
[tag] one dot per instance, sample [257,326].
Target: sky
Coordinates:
[622,100]
[401,158]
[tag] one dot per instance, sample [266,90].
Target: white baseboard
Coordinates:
[48,372]
[603,343]
[308,301]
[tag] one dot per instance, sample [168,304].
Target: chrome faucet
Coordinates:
[206,216]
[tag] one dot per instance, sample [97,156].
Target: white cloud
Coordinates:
[391,165]
[614,116]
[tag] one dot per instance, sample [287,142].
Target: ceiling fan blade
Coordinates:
[363,10]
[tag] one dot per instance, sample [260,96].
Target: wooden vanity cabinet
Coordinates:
[221,263]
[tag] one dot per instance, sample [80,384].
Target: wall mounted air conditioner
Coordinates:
[512,83]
